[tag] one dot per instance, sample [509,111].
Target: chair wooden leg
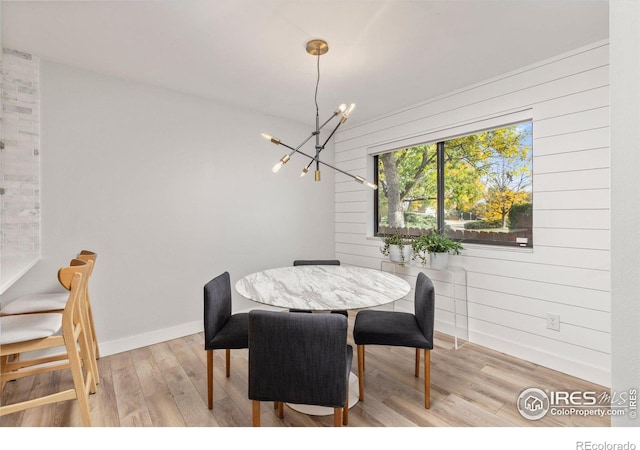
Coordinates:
[427,378]
[337,417]
[80,385]
[255,409]
[3,362]
[210,378]
[417,371]
[88,360]
[96,349]
[363,359]
[281,410]
[361,372]
[92,350]
[228,362]
[345,410]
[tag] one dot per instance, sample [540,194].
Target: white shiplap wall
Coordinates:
[511,290]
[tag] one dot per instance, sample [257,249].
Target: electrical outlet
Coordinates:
[553,321]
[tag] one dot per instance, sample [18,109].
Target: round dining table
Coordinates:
[323,288]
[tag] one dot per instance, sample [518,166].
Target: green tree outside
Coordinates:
[486,175]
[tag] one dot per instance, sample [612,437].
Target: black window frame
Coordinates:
[440,202]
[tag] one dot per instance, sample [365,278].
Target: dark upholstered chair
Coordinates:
[301,359]
[319,262]
[222,330]
[316,262]
[400,329]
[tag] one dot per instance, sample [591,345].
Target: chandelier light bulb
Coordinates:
[270,138]
[371,185]
[281,163]
[304,172]
[349,109]
[345,115]
[361,180]
[340,109]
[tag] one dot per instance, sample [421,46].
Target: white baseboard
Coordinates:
[571,367]
[142,340]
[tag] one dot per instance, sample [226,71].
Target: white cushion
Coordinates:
[29,326]
[31,303]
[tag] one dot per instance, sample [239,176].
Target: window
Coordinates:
[476,187]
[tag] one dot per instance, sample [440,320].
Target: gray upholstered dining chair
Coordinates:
[316,262]
[222,330]
[319,262]
[400,329]
[301,359]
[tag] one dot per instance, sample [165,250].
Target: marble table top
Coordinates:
[323,288]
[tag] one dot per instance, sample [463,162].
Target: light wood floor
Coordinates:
[164,385]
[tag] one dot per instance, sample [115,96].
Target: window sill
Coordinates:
[498,248]
[477,246]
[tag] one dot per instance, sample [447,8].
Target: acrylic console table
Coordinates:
[456,277]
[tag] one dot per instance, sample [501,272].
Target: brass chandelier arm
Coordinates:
[318,161]
[336,112]
[312,158]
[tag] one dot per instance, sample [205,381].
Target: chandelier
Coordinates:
[318,47]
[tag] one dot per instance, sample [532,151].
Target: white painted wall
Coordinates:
[170,191]
[511,290]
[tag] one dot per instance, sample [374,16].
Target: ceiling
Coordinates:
[383,55]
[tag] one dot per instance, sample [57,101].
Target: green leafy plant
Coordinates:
[399,239]
[427,244]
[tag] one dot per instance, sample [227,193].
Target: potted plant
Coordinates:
[437,247]
[397,247]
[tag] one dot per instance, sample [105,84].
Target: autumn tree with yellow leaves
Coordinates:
[486,174]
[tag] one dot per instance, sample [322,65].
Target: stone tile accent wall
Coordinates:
[19,157]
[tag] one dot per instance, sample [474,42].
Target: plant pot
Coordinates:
[439,260]
[396,256]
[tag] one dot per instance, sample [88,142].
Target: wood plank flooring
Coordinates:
[164,385]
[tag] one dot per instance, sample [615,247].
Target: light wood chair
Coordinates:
[51,302]
[26,334]
[87,255]
[45,301]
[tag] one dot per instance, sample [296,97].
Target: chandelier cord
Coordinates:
[317,83]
